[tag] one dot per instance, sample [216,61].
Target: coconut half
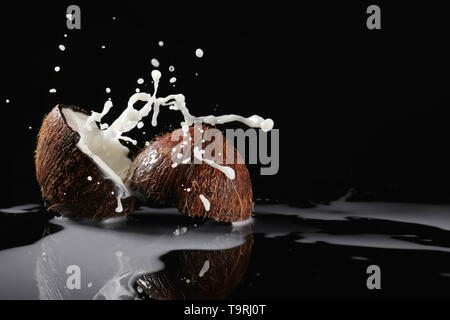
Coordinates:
[80,169]
[196,189]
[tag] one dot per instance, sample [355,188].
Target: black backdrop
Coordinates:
[355,107]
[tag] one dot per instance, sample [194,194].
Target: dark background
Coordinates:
[355,107]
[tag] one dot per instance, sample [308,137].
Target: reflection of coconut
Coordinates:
[197,274]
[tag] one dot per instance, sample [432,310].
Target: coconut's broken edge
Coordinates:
[62,171]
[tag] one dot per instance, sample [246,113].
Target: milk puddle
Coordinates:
[121,259]
[109,255]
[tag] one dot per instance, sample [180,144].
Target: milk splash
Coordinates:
[104,147]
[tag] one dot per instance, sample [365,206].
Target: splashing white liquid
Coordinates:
[62,47]
[229,172]
[161,43]
[57,68]
[53,90]
[103,145]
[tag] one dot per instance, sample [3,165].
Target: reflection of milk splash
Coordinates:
[48,279]
[38,271]
[119,286]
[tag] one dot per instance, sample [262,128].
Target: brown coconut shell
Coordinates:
[181,279]
[230,200]
[62,172]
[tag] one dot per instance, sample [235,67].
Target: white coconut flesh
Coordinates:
[104,150]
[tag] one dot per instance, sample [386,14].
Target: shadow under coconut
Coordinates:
[197,274]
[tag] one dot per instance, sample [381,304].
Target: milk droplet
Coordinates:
[29,127]
[140,81]
[156,75]
[188,189]
[89,284]
[114,18]
[69,16]
[57,68]
[205,201]
[140,125]
[160,43]
[155,63]
[108,90]
[199,53]
[89,178]
[103,47]
[62,47]
[171,68]
[65,35]
[172,80]
[7,100]
[53,90]
[147,143]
